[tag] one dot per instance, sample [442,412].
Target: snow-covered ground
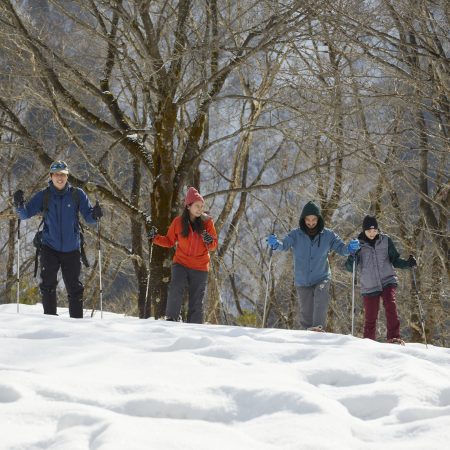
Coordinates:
[126,384]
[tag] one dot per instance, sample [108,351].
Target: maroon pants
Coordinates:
[371,308]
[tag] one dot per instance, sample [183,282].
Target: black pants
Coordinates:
[195,280]
[70,264]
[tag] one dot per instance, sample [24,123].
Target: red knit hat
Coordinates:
[192,196]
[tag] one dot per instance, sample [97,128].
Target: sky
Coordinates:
[120,383]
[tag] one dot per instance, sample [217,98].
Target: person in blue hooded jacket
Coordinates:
[60,236]
[311,243]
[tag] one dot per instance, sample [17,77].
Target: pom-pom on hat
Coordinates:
[192,196]
[370,223]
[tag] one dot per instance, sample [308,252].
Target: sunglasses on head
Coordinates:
[58,165]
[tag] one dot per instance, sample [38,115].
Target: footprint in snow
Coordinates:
[422,413]
[370,407]
[444,398]
[185,343]
[339,378]
[8,394]
[42,334]
[225,405]
[299,355]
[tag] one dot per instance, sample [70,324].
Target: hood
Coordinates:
[311,209]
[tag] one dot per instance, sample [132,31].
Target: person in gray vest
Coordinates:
[60,247]
[311,243]
[376,261]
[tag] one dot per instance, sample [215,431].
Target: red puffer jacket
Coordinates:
[191,251]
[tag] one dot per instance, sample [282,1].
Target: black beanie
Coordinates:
[370,222]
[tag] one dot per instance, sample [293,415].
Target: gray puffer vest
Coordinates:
[376,270]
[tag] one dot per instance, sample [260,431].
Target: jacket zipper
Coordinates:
[311,241]
[378,266]
[60,223]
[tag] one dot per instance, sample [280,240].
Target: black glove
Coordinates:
[152,232]
[412,261]
[207,238]
[97,212]
[18,199]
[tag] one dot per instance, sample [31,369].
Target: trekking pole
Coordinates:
[150,254]
[99,265]
[18,264]
[267,289]
[222,305]
[353,294]
[421,312]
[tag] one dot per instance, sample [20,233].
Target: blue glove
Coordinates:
[273,242]
[353,246]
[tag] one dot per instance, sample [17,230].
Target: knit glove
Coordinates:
[353,246]
[273,241]
[152,233]
[207,238]
[412,261]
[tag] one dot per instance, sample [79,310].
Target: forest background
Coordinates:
[262,105]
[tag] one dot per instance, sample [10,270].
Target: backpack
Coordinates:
[37,240]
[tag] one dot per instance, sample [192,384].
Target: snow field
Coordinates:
[124,383]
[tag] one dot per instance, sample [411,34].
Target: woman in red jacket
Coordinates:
[194,235]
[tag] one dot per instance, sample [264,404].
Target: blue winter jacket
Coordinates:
[311,255]
[61,230]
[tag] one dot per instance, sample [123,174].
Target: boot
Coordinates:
[48,296]
[76,307]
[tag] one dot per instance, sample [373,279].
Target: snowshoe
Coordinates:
[318,328]
[171,319]
[397,341]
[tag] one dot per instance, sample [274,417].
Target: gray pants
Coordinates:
[313,302]
[195,280]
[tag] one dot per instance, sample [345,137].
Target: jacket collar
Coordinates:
[61,192]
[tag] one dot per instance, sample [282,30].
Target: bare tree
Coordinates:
[135,90]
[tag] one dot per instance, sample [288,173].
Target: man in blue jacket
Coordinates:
[311,243]
[60,248]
